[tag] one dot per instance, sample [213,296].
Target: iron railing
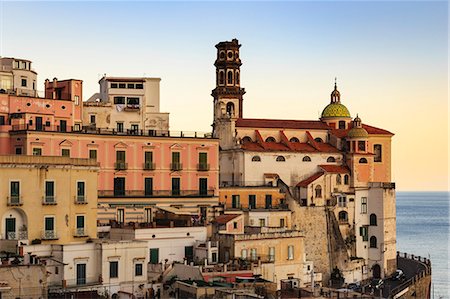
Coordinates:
[203,167]
[155,193]
[14,200]
[120,166]
[49,235]
[149,166]
[48,200]
[176,166]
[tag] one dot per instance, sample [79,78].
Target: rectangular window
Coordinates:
[253,254]
[77,100]
[81,274]
[119,100]
[119,186]
[81,192]
[113,85]
[80,222]
[148,161]
[92,119]
[154,255]
[14,192]
[114,269]
[18,151]
[203,186]
[342,201]
[203,161]
[148,215]
[361,145]
[262,222]
[63,126]
[364,233]
[2,120]
[244,254]
[235,225]
[252,201]
[138,269]
[135,129]
[49,192]
[24,82]
[120,160]
[363,205]
[120,215]
[65,152]
[93,154]
[37,151]
[132,101]
[235,202]
[377,149]
[175,186]
[271,254]
[130,85]
[119,127]
[139,86]
[49,223]
[268,201]
[148,186]
[122,85]
[282,223]
[290,252]
[176,165]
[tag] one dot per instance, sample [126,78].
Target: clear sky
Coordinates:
[390,58]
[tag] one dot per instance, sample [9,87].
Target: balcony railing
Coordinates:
[49,235]
[176,166]
[48,200]
[80,199]
[149,166]
[80,232]
[156,193]
[121,166]
[203,167]
[105,131]
[21,235]
[14,200]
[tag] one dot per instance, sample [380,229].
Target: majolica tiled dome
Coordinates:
[335,110]
[357,131]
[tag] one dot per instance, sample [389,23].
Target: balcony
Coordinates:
[149,166]
[80,200]
[155,193]
[48,200]
[21,235]
[120,166]
[80,232]
[176,166]
[14,200]
[203,167]
[49,235]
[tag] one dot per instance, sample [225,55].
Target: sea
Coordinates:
[423,229]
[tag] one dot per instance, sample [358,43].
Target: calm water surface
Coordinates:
[423,229]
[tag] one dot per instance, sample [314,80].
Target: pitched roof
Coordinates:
[309,180]
[223,219]
[281,123]
[340,133]
[335,168]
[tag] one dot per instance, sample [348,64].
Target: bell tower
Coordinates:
[228,94]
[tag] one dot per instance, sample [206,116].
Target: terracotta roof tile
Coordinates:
[223,219]
[280,123]
[309,180]
[335,168]
[341,133]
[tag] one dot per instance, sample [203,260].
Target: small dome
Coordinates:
[357,133]
[335,110]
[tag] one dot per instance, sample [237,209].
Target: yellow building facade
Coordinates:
[52,200]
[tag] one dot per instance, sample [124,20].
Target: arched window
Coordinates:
[318,191]
[363,161]
[338,179]
[373,242]
[373,219]
[318,139]
[346,179]
[343,216]
[306,159]
[230,77]
[230,109]
[237,78]
[280,159]
[221,77]
[294,139]
[331,159]
[270,139]
[342,124]
[256,159]
[246,139]
[222,55]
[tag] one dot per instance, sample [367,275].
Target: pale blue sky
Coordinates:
[391,60]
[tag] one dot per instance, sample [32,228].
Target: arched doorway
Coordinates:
[376,271]
[14,225]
